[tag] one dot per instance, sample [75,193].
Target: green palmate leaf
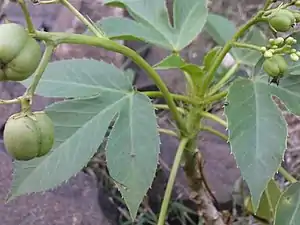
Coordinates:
[173,61]
[153,24]
[132,150]
[80,78]
[288,210]
[257,133]
[80,126]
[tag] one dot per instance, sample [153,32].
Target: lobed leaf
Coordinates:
[153,23]
[257,133]
[133,150]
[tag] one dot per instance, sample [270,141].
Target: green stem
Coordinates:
[26,13]
[59,38]
[224,79]
[287,175]
[171,181]
[40,70]
[247,46]
[226,49]
[167,131]
[85,21]
[214,98]
[183,98]
[215,132]
[162,106]
[214,118]
[11,101]
[267,4]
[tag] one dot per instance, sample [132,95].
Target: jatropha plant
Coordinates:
[50,147]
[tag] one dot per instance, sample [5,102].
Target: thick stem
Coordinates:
[59,38]
[171,181]
[40,70]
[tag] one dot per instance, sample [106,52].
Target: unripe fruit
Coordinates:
[28,136]
[20,54]
[282,21]
[275,66]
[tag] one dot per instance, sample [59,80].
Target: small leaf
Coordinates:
[288,211]
[257,133]
[173,61]
[133,150]
[266,210]
[211,56]
[80,78]
[152,16]
[196,73]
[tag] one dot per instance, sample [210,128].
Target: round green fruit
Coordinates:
[20,54]
[275,66]
[28,136]
[282,21]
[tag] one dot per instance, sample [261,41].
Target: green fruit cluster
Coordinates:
[282,20]
[27,136]
[20,54]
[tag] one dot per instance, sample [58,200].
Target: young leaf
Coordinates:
[257,133]
[189,19]
[173,61]
[288,211]
[80,78]
[211,56]
[196,73]
[133,149]
[267,207]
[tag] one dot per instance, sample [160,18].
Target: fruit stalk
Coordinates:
[40,69]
